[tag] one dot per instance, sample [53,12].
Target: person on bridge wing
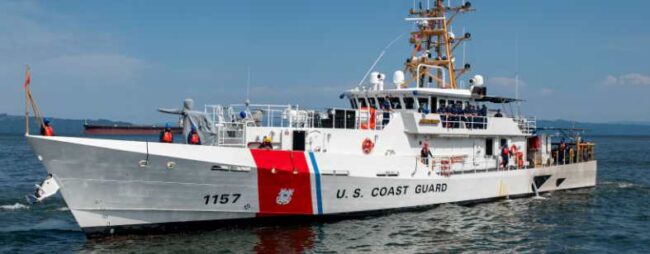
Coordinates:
[193,138]
[166,135]
[46,128]
[425,153]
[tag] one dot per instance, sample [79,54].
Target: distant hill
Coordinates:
[10,124]
[625,129]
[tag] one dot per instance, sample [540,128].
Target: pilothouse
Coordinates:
[418,138]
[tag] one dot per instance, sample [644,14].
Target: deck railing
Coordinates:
[267,115]
[461,121]
[527,125]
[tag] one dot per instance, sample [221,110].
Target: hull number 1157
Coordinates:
[221,198]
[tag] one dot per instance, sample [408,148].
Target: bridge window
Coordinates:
[434,104]
[424,104]
[409,102]
[362,103]
[373,103]
[395,103]
[383,103]
[353,103]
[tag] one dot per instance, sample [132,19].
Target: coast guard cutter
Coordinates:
[367,157]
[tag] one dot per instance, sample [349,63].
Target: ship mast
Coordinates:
[432,59]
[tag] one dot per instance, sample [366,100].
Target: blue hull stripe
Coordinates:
[319,198]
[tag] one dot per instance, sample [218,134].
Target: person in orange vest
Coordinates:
[46,129]
[194,138]
[505,155]
[166,135]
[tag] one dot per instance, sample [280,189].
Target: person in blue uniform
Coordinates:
[561,150]
[483,114]
[498,114]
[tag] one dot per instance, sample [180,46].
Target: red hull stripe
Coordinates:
[283,182]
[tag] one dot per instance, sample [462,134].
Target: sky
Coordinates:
[576,60]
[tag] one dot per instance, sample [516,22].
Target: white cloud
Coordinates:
[628,79]
[504,81]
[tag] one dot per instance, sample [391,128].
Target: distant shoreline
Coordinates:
[12,124]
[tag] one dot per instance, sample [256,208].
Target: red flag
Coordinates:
[28,78]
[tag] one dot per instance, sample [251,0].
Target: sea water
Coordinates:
[614,216]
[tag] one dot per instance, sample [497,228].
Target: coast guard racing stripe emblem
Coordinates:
[283,183]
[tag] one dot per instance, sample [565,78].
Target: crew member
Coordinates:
[166,135]
[46,129]
[483,111]
[266,143]
[498,114]
[505,156]
[425,153]
[561,152]
[193,138]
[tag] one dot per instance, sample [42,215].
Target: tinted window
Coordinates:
[353,103]
[409,102]
[489,147]
[373,103]
[434,107]
[424,103]
[362,102]
[382,103]
[395,103]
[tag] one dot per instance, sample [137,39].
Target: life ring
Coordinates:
[371,121]
[367,146]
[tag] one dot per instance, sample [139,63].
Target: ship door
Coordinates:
[298,140]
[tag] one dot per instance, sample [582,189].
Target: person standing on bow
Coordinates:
[46,128]
[193,138]
[166,135]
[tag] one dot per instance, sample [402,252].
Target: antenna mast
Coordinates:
[517,74]
[434,45]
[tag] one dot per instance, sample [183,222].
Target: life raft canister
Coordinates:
[367,146]
[370,122]
[513,149]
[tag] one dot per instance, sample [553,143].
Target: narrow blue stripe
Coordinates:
[319,199]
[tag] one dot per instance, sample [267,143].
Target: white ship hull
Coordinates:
[111,186]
